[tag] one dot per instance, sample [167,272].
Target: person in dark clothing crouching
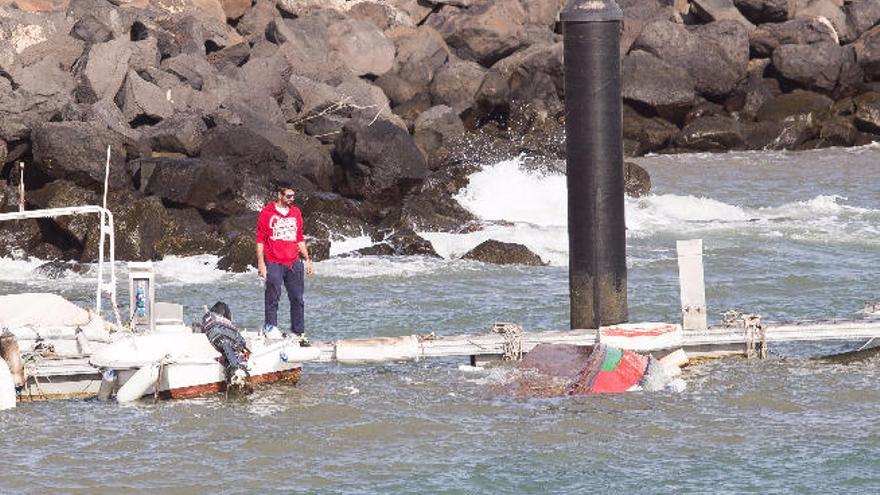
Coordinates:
[225,337]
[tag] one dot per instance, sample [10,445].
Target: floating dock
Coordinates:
[718,341]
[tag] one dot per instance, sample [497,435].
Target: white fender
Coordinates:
[7,387]
[140,382]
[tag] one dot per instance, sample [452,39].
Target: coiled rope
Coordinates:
[512,333]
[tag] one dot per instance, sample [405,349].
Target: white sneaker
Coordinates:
[272,332]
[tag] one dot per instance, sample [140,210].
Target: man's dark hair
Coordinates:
[221,309]
[283,186]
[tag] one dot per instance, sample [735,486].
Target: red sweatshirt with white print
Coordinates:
[279,233]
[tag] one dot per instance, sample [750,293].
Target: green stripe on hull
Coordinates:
[612,359]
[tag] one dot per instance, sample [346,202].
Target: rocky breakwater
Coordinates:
[374,110]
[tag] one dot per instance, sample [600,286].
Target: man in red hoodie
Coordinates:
[280,244]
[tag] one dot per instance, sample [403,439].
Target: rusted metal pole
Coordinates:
[594,147]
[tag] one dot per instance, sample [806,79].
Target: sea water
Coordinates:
[787,235]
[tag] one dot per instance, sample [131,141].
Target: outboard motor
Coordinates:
[225,337]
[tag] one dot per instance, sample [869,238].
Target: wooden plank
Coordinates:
[691,284]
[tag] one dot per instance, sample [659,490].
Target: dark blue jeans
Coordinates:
[291,278]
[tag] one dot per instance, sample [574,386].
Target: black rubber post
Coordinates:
[594,147]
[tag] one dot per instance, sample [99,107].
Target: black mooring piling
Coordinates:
[594,147]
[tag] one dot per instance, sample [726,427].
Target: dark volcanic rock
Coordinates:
[798,106]
[636,180]
[531,79]
[763,11]
[803,31]
[62,193]
[431,206]
[503,253]
[658,85]
[381,161]
[209,184]
[77,151]
[436,131]
[401,242]
[486,32]
[637,14]
[456,84]
[240,255]
[421,52]
[105,69]
[712,134]
[715,55]
[60,269]
[825,66]
[861,15]
[19,238]
[867,115]
[719,10]
[182,133]
[651,134]
[319,249]
[272,155]
[867,50]
[839,131]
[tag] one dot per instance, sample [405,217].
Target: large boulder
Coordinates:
[803,31]
[360,46]
[181,133]
[399,242]
[637,14]
[456,84]
[431,206]
[827,11]
[239,255]
[381,162]
[636,181]
[799,105]
[763,11]
[867,116]
[530,78]
[712,134]
[503,253]
[421,52]
[651,133]
[715,55]
[206,184]
[273,155]
[61,194]
[861,15]
[143,101]
[19,238]
[867,50]
[826,67]
[105,69]
[145,230]
[650,82]
[436,131]
[485,32]
[719,10]
[77,151]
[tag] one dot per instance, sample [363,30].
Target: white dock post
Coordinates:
[692,285]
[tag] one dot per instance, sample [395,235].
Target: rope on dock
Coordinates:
[512,333]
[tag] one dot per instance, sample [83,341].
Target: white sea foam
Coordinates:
[349,244]
[199,269]
[379,266]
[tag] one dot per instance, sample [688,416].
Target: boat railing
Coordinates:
[107,237]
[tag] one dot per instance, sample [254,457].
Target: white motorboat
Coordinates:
[182,364]
[55,338]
